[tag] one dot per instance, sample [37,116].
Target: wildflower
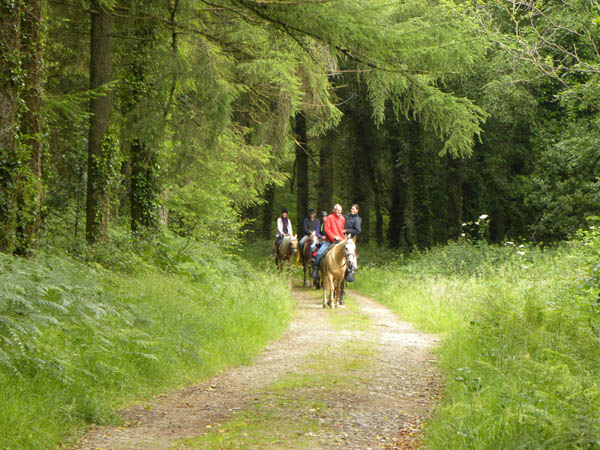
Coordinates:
[463,234]
[464,224]
[477,223]
[520,253]
[509,243]
[522,246]
[483,216]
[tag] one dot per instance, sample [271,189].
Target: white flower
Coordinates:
[483,216]
[509,243]
[464,224]
[477,223]
[520,253]
[463,234]
[522,246]
[525,267]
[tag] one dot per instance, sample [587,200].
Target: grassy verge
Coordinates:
[521,348]
[292,410]
[78,342]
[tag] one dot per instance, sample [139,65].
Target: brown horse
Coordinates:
[333,269]
[306,256]
[287,251]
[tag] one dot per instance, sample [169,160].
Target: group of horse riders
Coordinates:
[334,228]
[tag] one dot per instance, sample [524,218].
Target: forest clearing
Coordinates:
[156,154]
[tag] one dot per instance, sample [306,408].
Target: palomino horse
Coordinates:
[306,256]
[333,269]
[287,251]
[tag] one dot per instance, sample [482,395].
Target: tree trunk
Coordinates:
[10,36]
[301,170]
[143,185]
[398,199]
[455,199]
[32,129]
[144,195]
[100,74]
[268,212]
[410,175]
[326,174]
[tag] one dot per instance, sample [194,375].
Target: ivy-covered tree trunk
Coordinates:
[143,183]
[144,195]
[32,128]
[326,174]
[100,74]
[301,171]
[10,81]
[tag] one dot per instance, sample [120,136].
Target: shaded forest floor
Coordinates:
[355,377]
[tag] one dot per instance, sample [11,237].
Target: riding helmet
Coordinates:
[311,211]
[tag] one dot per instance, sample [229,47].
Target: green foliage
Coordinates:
[521,343]
[79,341]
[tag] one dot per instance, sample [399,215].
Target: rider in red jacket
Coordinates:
[334,231]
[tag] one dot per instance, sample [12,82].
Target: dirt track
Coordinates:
[384,384]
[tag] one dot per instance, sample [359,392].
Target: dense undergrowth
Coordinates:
[82,336]
[521,346]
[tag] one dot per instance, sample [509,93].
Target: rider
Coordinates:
[310,224]
[284,227]
[352,228]
[320,233]
[334,232]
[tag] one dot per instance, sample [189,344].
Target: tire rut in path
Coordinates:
[381,411]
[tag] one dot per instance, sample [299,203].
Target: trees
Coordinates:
[99,143]
[210,108]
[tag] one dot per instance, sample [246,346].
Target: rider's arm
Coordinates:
[279,226]
[305,225]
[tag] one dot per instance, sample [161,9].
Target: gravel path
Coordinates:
[383,409]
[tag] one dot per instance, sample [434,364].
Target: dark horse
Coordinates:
[306,255]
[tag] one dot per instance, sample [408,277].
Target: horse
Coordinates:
[286,252]
[306,255]
[333,269]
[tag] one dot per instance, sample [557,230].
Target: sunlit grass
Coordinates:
[521,347]
[80,343]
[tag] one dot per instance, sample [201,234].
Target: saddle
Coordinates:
[327,251]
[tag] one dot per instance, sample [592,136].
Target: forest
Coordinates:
[148,147]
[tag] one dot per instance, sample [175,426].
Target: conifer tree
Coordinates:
[100,108]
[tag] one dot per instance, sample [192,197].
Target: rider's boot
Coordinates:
[315,272]
[342,298]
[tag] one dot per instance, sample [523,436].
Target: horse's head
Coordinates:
[294,243]
[350,252]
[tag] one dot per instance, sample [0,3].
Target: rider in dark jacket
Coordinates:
[352,227]
[310,224]
[353,222]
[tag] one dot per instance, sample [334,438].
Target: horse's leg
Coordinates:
[338,288]
[331,291]
[324,287]
[304,269]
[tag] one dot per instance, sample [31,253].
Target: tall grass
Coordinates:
[79,341]
[521,341]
